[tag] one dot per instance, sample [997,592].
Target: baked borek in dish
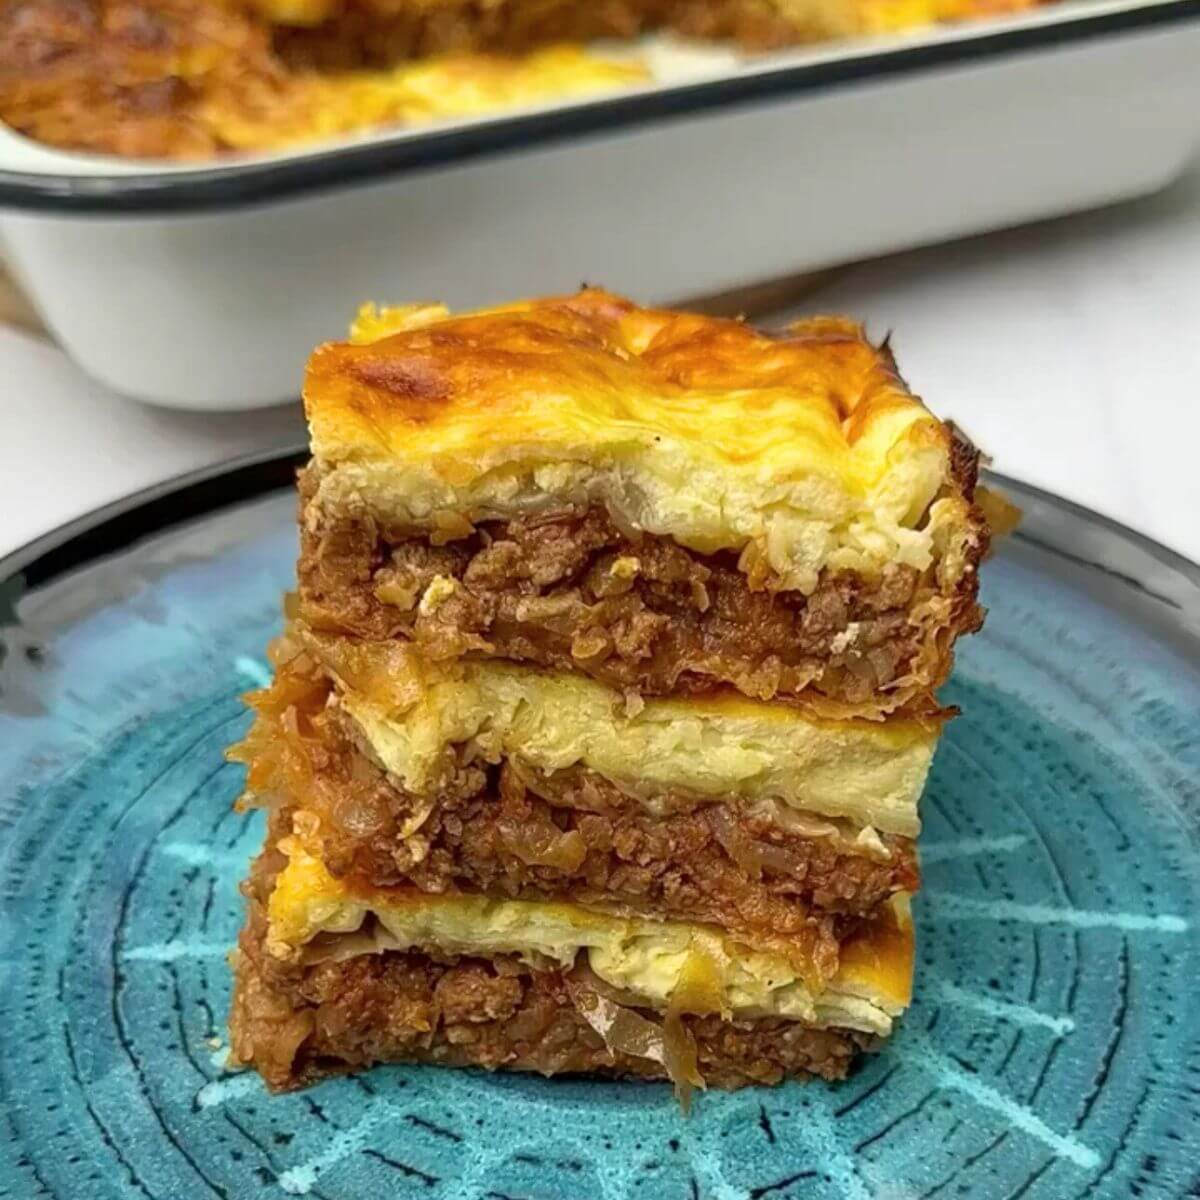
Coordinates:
[190,79]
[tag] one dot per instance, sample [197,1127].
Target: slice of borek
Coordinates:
[599,726]
[665,502]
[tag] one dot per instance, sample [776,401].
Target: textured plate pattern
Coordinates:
[1053,1049]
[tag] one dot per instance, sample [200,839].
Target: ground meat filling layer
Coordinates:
[510,830]
[379,34]
[295,1024]
[572,592]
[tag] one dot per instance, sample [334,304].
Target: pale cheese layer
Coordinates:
[647,958]
[869,773]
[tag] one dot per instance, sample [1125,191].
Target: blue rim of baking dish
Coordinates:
[255,182]
[1141,565]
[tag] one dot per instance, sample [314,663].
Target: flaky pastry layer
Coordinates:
[412,714]
[697,968]
[297,1024]
[513,831]
[800,452]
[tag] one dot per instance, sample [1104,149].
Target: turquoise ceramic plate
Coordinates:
[1053,1050]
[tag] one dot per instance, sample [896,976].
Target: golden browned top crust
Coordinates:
[420,365]
[800,450]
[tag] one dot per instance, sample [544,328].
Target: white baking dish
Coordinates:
[206,287]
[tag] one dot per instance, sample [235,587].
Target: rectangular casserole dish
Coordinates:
[204,286]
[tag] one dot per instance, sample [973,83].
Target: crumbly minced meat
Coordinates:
[295,1023]
[570,591]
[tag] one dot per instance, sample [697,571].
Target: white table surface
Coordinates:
[1070,351]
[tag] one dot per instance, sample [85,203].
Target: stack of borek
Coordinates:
[606,699]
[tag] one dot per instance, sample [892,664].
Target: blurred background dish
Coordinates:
[190,79]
